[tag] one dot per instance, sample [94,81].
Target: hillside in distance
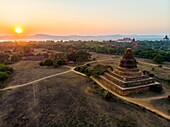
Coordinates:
[84,38]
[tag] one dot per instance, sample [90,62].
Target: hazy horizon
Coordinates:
[43,37]
[78,17]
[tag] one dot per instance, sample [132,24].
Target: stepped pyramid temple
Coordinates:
[127,78]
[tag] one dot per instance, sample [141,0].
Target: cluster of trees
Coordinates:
[5,58]
[5,72]
[106,49]
[156,45]
[80,56]
[85,69]
[96,71]
[158,56]
[54,63]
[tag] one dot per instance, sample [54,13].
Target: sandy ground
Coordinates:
[162,104]
[64,101]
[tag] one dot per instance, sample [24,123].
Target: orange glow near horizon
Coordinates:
[76,17]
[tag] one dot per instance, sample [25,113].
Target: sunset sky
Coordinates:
[85,17]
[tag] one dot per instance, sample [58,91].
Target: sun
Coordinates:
[19,30]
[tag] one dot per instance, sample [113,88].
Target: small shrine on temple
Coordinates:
[126,78]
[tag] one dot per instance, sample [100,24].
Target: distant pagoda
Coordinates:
[166,39]
[127,78]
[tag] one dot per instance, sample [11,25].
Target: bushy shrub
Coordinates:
[3,76]
[160,66]
[151,75]
[82,69]
[77,68]
[99,70]
[48,62]
[16,58]
[80,56]
[88,65]
[153,69]
[62,62]
[156,88]
[55,64]
[106,94]
[4,68]
[168,81]
[158,59]
[169,98]
[4,57]
[88,71]
[41,63]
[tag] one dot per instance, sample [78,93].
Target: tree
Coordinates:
[156,88]
[158,59]
[79,56]
[106,94]
[5,68]
[48,62]
[4,58]
[72,57]
[3,76]
[26,49]
[88,71]
[99,70]
[62,62]
[55,64]
[82,56]
[16,58]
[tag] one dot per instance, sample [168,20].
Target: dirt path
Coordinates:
[46,77]
[155,65]
[35,81]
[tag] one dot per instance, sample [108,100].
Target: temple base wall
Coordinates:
[123,92]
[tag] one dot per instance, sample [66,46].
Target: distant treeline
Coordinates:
[157,45]
[158,56]
[106,49]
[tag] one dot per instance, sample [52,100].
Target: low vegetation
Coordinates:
[54,63]
[5,72]
[156,88]
[4,58]
[158,56]
[79,56]
[95,71]
[106,94]
[16,58]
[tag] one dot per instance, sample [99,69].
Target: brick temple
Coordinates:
[126,78]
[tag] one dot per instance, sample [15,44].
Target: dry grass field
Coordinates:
[27,71]
[69,100]
[66,101]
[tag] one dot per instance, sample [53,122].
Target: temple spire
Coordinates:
[128,60]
